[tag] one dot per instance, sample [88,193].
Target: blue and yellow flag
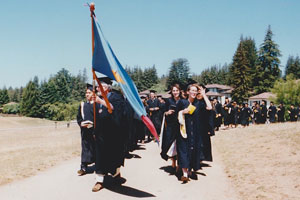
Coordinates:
[106,62]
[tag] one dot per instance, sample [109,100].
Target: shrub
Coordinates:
[12,108]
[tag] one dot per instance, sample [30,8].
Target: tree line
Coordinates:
[56,99]
[251,72]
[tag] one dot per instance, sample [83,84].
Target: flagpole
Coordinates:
[92,8]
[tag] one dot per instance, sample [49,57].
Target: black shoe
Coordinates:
[118,180]
[193,176]
[128,156]
[172,170]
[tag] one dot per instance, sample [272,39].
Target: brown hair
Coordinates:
[178,87]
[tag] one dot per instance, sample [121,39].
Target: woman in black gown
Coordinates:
[172,126]
[190,148]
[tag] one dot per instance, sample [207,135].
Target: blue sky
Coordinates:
[40,37]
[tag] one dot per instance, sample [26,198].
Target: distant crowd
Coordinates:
[231,114]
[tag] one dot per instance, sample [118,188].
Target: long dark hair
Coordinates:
[178,87]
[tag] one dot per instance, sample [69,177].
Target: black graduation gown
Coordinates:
[139,127]
[87,134]
[110,137]
[162,109]
[280,113]
[237,115]
[272,113]
[154,115]
[257,115]
[207,121]
[231,114]
[218,118]
[227,112]
[245,114]
[264,112]
[190,149]
[293,114]
[128,126]
[172,129]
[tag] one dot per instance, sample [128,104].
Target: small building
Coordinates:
[265,96]
[219,91]
[145,92]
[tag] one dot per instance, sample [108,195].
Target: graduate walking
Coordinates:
[110,138]
[85,120]
[172,126]
[190,142]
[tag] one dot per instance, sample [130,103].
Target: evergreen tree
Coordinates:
[240,71]
[136,74]
[179,72]
[62,86]
[204,77]
[20,94]
[251,55]
[79,86]
[143,80]
[213,75]
[267,68]
[150,77]
[4,98]
[224,75]
[293,67]
[30,104]
[138,78]
[14,96]
[11,93]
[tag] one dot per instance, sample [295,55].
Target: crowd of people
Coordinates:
[231,114]
[185,122]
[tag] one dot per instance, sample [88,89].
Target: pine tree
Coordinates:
[224,75]
[215,74]
[138,78]
[251,55]
[179,72]
[14,97]
[4,98]
[30,103]
[293,67]
[267,68]
[136,74]
[149,77]
[62,86]
[79,86]
[20,94]
[240,71]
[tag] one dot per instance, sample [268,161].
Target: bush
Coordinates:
[60,111]
[287,92]
[11,108]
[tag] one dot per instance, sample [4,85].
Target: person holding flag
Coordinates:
[109,111]
[109,136]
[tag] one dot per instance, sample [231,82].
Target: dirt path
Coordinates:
[146,178]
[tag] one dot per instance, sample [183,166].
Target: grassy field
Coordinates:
[262,161]
[30,145]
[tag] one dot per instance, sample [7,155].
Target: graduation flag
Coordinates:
[106,63]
